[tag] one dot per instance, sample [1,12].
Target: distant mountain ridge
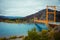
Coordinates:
[10,17]
[42,15]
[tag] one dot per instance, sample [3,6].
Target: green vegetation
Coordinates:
[33,35]
[43,35]
[13,37]
[3,38]
[57,36]
[18,20]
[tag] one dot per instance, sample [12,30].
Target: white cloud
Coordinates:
[24,7]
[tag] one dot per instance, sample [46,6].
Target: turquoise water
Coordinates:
[13,29]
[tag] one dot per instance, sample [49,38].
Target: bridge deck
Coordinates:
[41,21]
[47,22]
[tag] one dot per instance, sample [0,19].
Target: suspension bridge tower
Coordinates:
[47,14]
[47,21]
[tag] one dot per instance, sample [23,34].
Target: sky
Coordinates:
[25,7]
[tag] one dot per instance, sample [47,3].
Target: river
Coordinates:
[14,29]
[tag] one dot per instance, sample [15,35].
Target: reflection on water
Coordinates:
[12,29]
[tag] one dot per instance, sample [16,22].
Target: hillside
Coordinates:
[42,15]
[10,17]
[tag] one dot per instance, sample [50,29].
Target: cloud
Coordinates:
[24,7]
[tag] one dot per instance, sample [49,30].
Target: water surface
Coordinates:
[13,29]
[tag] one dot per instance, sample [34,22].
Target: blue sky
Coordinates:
[24,7]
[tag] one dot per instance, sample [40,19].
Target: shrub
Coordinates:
[33,35]
[13,37]
[44,35]
[57,36]
[3,38]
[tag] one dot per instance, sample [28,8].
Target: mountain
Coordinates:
[10,17]
[42,15]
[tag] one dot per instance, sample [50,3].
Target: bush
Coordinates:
[13,37]
[44,35]
[33,35]
[3,38]
[57,36]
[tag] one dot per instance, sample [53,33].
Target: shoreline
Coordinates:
[12,37]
